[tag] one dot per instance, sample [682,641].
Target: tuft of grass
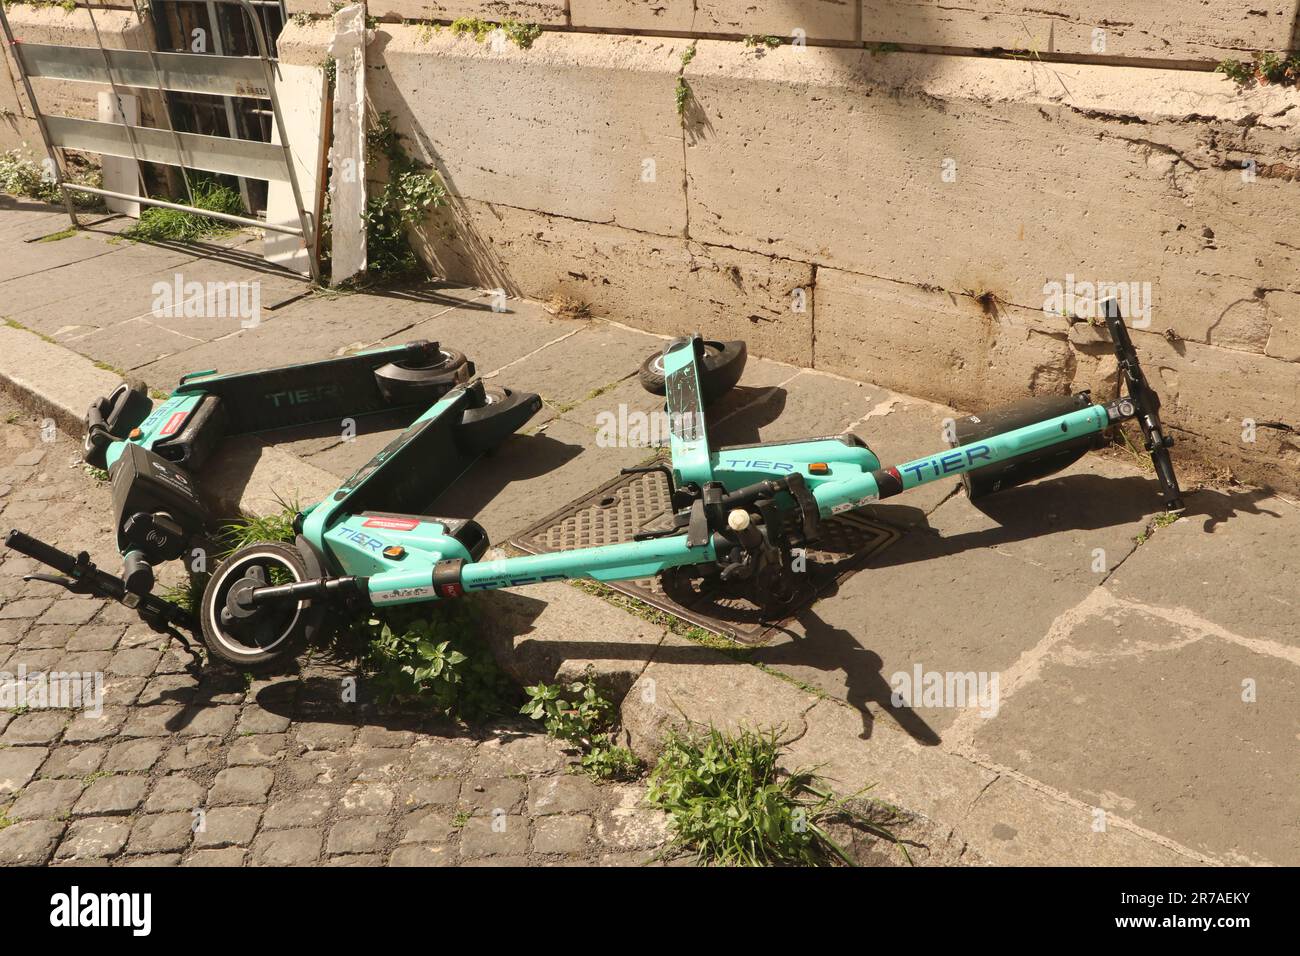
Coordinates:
[567,307]
[157,224]
[1141,458]
[273,527]
[61,234]
[730,804]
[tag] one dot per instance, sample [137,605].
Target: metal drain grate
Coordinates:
[628,504]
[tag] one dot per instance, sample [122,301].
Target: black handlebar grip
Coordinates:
[137,573]
[46,554]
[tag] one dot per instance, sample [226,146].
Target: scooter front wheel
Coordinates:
[723,364]
[257,637]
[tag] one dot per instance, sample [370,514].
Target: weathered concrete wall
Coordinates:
[118,29]
[1179,30]
[895,218]
[1157,29]
[832,20]
[548,12]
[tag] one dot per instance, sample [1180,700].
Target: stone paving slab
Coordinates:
[1235,562]
[1198,711]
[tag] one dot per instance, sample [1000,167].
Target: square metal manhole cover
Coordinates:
[628,504]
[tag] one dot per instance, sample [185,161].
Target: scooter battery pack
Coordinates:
[203,430]
[146,483]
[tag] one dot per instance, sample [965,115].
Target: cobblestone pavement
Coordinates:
[216,769]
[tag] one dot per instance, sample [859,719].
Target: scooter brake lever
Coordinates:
[72,584]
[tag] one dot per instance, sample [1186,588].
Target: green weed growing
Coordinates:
[730,804]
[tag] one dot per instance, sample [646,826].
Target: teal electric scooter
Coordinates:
[738,511]
[155,453]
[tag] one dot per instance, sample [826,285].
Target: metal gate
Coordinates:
[162,72]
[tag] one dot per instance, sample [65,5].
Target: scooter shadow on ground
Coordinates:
[1066,503]
[1075,502]
[830,648]
[737,417]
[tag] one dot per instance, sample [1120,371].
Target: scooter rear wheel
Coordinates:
[263,636]
[411,382]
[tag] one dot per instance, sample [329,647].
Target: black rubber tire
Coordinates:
[502,411]
[723,364]
[409,383]
[303,625]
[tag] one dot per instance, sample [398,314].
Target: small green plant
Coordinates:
[770,42]
[580,714]
[411,191]
[609,762]
[1262,69]
[473,27]
[435,661]
[576,712]
[99,474]
[5,821]
[187,596]
[157,224]
[682,92]
[1163,520]
[682,95]
[22,176]
[881,48]
[729,802]
[521,34]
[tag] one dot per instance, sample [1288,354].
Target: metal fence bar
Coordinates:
[214,154]
[181,207]
[179,72]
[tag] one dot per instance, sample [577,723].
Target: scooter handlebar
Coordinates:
[1146,402]
[47,554]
